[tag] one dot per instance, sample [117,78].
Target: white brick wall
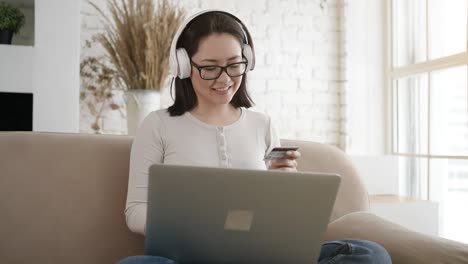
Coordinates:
[298,79]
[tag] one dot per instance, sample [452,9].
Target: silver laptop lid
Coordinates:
[219,215]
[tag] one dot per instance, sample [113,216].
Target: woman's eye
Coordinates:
[210,68]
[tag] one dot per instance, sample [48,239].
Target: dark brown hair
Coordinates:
[199,28]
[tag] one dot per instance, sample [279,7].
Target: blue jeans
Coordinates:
[339,251]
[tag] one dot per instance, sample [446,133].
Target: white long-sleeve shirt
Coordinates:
[185,140]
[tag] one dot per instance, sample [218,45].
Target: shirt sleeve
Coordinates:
[147,149]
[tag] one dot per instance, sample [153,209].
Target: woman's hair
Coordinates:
[199,28]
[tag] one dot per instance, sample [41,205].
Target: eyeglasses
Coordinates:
[212,72]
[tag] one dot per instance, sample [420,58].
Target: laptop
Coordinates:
[224,215]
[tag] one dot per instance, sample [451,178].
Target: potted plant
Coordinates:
[11,21]
[137,40]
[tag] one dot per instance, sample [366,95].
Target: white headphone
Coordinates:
[179,60]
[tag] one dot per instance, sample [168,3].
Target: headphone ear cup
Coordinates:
[173,66]
[248,54]
[183,62]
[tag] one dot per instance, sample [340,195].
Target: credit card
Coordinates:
[279,153]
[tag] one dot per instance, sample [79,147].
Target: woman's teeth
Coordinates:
[221,89]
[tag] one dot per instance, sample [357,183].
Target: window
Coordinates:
[429,90]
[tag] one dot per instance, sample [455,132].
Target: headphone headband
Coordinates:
[179,61]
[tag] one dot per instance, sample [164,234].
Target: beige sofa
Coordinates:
[62,198]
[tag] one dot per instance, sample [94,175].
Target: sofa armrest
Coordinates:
[405,246]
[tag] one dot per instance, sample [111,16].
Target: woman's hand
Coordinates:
[287,164]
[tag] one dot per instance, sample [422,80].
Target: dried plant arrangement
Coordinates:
[98,86]
[137,40]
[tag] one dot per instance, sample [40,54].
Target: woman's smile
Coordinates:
[222,90]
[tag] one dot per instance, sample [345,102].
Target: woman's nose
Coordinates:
[224,78]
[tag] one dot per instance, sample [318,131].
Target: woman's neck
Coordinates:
[219,116]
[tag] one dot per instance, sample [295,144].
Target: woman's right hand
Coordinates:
[286,164]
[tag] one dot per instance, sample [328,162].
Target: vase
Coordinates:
[6,36]
[139,104]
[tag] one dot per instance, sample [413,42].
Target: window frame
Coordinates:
[393,73]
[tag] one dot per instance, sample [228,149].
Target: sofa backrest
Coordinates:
[62,196]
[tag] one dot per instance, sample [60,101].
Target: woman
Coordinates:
[209,124]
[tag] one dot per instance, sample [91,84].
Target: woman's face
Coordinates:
[216,50]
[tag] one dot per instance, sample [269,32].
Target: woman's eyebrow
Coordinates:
[229,59]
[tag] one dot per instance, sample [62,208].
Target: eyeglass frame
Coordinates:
[223,69]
